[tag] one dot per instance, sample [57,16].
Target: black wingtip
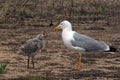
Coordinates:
[112,49]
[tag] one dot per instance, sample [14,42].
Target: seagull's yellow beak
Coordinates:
[56,28]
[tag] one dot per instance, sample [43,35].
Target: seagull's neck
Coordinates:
[67,29]
[66,32]
[39,39]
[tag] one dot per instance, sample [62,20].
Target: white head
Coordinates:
[64,25]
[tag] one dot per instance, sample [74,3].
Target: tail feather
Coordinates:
[112,49]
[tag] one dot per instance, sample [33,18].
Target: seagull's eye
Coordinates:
[61,23]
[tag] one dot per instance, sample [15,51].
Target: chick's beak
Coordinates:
[56,28]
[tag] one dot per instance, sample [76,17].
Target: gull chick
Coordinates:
[31,47]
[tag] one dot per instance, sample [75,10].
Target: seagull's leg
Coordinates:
[28,61]
[33,61]
[78,66]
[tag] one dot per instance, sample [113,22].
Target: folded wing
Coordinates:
[88,43]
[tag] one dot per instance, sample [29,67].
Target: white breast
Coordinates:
[67,36]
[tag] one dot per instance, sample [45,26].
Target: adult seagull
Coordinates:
[80,42]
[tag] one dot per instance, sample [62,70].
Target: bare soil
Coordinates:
[55,62]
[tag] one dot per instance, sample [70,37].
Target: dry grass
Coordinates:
[73,9]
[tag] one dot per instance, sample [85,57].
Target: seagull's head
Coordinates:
[63,25]
[41,36]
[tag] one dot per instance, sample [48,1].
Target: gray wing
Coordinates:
[88,43]
[31,46]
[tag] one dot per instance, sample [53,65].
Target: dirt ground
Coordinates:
[56,61]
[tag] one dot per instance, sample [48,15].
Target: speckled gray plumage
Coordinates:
[32,46]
